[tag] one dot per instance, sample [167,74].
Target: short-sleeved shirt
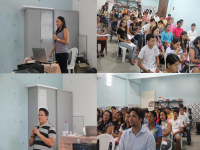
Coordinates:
[156,132]
[122,33]
[159,43]
[100,28]
[134,26]
[172,28]
[197,52]
[128,24]
[170,116]
[148,56]
[156,18]
[117,129]
[164,22]
[178,32]
[146,18]
[170,50]
[176,125]
[166,37]
[46,130]
[104,128]
[161,30]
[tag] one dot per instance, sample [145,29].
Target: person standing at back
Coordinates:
[61,44]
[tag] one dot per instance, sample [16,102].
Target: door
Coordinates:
[162,7]
[64,112]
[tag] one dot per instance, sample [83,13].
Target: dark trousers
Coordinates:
[198,127]
[187,129]
[139,37]
[62,59]
[103,45]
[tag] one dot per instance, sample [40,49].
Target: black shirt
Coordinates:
[122,33]
[134,27]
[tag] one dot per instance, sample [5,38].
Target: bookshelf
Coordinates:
[168,102]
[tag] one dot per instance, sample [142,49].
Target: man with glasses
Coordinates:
[43,137]
[137,137]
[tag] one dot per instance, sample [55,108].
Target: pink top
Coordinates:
[172,28]
[178,32]
[147,18]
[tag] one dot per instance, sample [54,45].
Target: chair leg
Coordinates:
[73,71]
[123,55]
[69,71]
[106,47]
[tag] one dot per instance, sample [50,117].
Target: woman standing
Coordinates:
[61,44]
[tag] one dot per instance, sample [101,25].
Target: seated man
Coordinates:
[169,16]
[192,34]
[198,127]
[137,137]
[186,124]
[164,21]
[156,17]
[177,128]
[178,30]
[147,27]
[148,56]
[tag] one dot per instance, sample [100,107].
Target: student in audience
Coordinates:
[173,22]
[105,125]
[158,115]
[125,125]
[143,22]
[142,138]
[169,16]
[195,55]
[172,64]
[166,129]
[114,113]
[148,56]
[163,20]
[150,14]
[156,17]
[175,48]
[124,112]
[124,11]
[134,13]
[169,114]
[146,16]
[128,15]
[135,31]
[101,30]
[117,125]
[150,26]
[147,11]
[124,16]
[113,108]
[104,11]
[131,19]
[166,36]
[113,15]
[192,33]
[160,25]
[155,129]
[61,44]
[171,25]
[186,124]
[98,115]
[184,45]
[146,117]
[177,128]
[101,114]
[182,24]
[139,17]
[158,43]
[125,42]
[106,4]
[178,30]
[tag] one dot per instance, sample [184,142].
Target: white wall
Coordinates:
[87,26]
[100,3]
[84,89]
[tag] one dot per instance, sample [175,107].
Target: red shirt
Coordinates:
[178,32]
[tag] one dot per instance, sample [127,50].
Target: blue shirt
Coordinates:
[156,132]
[166,37]
[144,140]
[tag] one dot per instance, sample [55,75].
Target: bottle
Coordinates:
[66,128]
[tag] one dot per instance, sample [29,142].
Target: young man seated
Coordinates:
[177,128]
[169,16]
[156,17]
[192,34]
[147,27]
[186,123]
[178,30]
[148,57]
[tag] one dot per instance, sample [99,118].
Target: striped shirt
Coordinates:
[144,140]
[47,131]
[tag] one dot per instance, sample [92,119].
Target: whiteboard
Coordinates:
[147,96]
[78,124]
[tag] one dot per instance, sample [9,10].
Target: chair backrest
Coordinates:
[104,141]
[74,55]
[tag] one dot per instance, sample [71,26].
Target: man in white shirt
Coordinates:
[156,17]
[192,34]
[177,128]
[186,124]
[150,14]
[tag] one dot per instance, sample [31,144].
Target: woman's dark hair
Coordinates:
[101,115]
[159,122]
[190,111]
[138,111]
[140,15]
[122,120]
[175,40]
[98,117]
[121,24]
[124,126]
[177,111]
[134,18]
[185,41]
[63,26]
[172,59]
[104,8]
[160,21]
[45,111]
[154,28]
[167,25]
[196,42]
[154,114]
[102,125]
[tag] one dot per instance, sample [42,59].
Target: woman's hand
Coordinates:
[50,55]
[55,37]
[128,42]
[179,48]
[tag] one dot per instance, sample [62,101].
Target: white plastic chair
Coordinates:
[104,141]
[171,141]
[181,141]
[123,49]
[73,59]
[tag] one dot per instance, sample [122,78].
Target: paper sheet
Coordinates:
[164,143]
[130,36]
[154,70]
[103,35]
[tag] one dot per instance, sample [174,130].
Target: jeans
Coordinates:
[187,129]
[139,37]
[131,48]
